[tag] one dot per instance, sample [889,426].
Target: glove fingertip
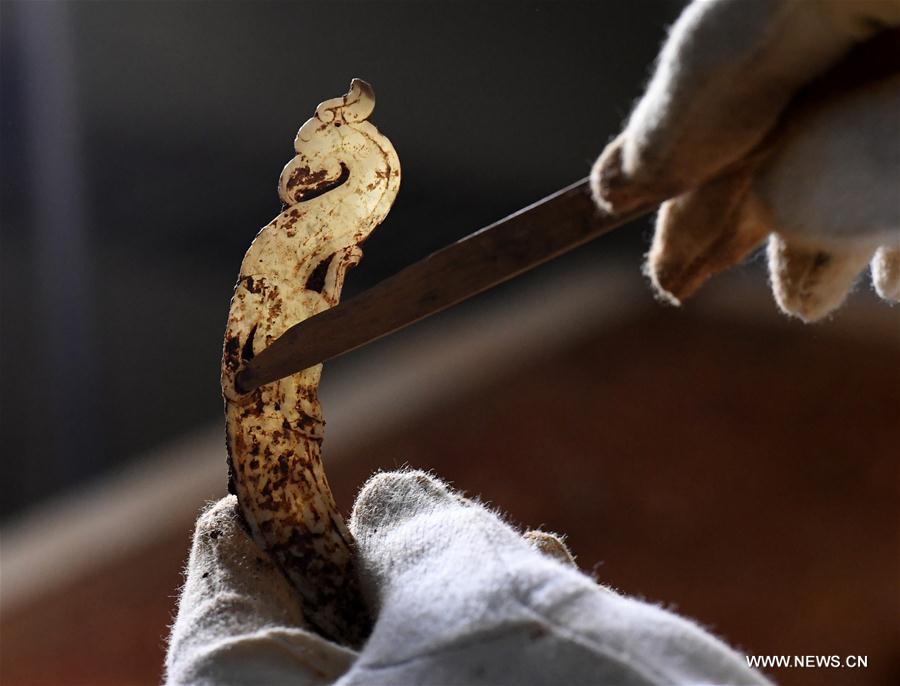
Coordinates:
[616,184]
[809,282]
[703,232]
[607,176]
[886,273]
[389,498]
[663,272]
[675,263]
[220,518]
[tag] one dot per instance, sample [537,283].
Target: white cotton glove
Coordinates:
[821,179]
[458,596]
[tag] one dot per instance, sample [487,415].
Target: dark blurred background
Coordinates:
[719,459]
[142,142]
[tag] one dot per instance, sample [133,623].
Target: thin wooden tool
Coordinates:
[496,253]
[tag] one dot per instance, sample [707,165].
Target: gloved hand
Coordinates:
[826,188]
[458,596]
